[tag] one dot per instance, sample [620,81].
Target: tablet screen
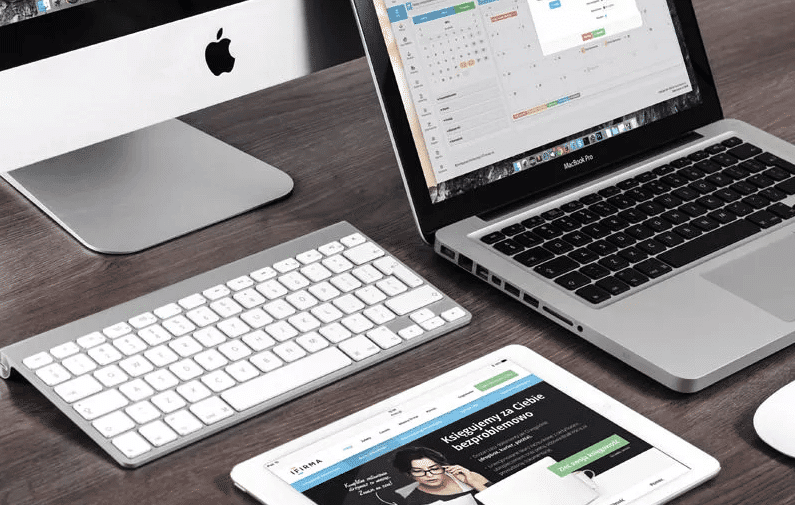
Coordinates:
[502,435]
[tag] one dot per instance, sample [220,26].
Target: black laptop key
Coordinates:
[633,255]
[693,209]
[567,223]
[708,166]
[651,208]
[556,267]
[740,208]
[686,194]
[702,186]
[705,223]
[725,159]
[512,230]
[782,211]
[773,194]
[612,285]
[727,195]
[658,224]
[533,256]
[577,238]
[669,239]
[674,180]
[640,194]
[628,184]
[590,199]
[528,239]
[715,149]
[558,246]
[583,256]
[585,216]
[709,243]
[786,165]
[687,231]
[532,222]
[787,186]
[571,206]
[732,142]
[764,219]
[698,155]
[691,173]
[632,277]
[572,280]
[651,246]
[547,231]
[614,262]
[621,201]
[602,248]
[645,177]
[593,294]
[620,240]
[596,231]
[669,201]
[720,179]
[744,188]
[722,216]
[778,174]
[639,232]
[753,165]
[492,237]
[552,214]
[675,217]
[745,151]
[609,191]
[681,163]
[614,223]
[656,187]
[663,170]
[604,209]
[736,173]
[760,180]
[595,271]
[756,201]
[653,268]
[632,215]
[509,247]
[711,202]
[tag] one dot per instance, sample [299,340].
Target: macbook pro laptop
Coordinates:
[573,154]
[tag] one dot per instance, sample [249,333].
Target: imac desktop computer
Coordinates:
[91,90]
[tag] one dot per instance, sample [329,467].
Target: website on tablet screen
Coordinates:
[502,436]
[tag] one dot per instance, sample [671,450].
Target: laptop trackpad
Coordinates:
[765,278]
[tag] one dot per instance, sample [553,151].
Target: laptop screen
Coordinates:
[493,88]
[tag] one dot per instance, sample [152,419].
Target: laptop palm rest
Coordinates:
[765,278]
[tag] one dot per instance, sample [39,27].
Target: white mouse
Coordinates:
[774,420]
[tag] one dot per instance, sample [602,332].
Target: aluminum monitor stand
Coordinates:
[139,190]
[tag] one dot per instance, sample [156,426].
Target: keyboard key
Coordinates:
[709,243]
[331,248]
[136,365]
[212,410]
[157,433]
[594,271]
[91,340]
[572,280]
[242,371]
[194,391]
[100,404]
[168,402]
[183,422]
[653,268]
[353,240]
[782,211]
[136,390]
[413,300]
[64,350]
[167,311]
[384,337]
[53,374]
[113,424]
[432,323]
[764,219]
[612,285]
[593,294]
[117,330]
[192,301]
[556,267]
[285,379]
[79,364]
[492,238]
[359,348]
[743,151]
[111,376]
[508,247]
[218,381]
[77,389]
[186,369]
[533,256]
[37,360]
[132,444]
[286,265]
[312,342]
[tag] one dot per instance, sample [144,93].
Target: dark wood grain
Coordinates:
[327,132]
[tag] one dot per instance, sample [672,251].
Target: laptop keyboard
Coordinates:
[616,240]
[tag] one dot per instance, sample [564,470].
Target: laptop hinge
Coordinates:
[5,368]
[509,208]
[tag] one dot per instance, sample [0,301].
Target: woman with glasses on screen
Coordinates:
[437,480]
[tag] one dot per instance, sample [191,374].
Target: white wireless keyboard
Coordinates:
[154,374]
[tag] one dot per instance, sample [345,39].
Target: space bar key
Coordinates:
[286,378]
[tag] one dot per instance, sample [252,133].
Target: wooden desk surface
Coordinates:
[327,132]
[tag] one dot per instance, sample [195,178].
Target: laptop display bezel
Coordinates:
[608,155]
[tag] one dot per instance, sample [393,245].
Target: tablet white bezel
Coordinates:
[252,477]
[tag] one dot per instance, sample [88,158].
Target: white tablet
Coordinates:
[510,428]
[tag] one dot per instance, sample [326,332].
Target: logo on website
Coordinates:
[298,470]
[574,163]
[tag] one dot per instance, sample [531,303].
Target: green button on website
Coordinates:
[587,456]
[496,380]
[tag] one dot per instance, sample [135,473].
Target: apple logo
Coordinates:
[217,55]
